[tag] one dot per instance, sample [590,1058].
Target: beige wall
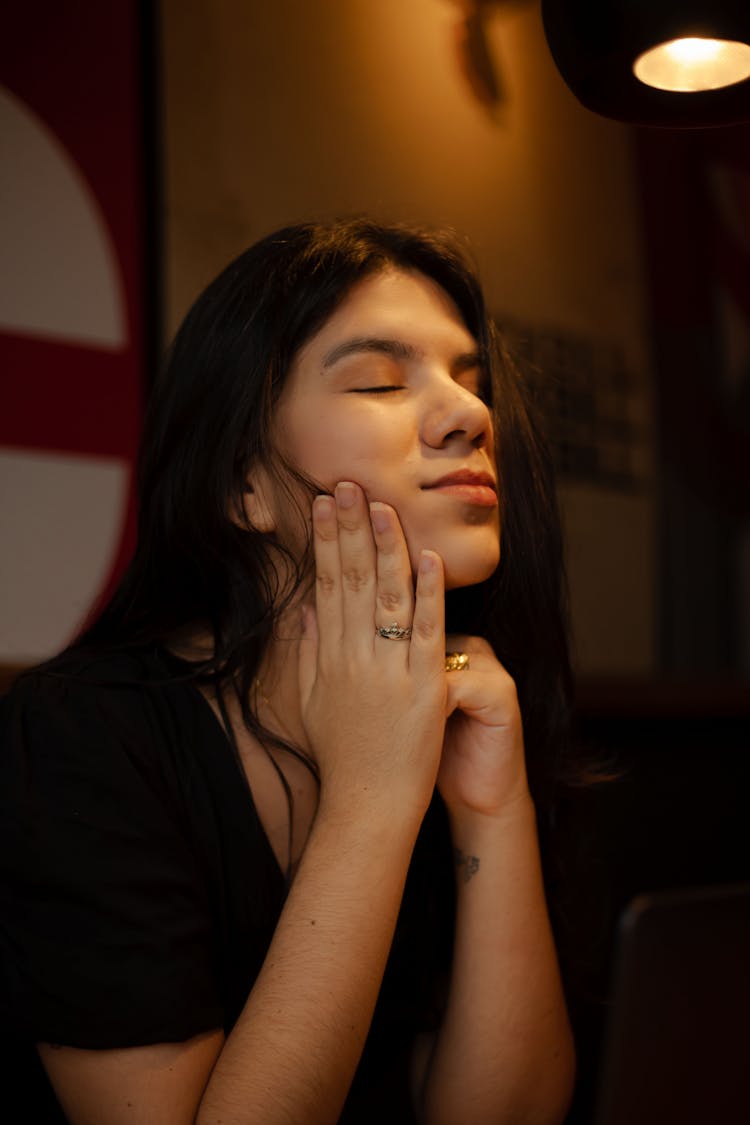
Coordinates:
[281,111]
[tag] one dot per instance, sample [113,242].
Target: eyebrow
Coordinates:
[396,349]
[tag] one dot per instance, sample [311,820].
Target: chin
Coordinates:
[468,572]
[465,568]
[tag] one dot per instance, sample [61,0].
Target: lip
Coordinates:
[464,476]
[465,484]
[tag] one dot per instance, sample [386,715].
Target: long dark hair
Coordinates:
[209,421]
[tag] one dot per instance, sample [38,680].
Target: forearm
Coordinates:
[504,1052]
[373,715]
[293,1052]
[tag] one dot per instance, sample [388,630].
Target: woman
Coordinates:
[223,844]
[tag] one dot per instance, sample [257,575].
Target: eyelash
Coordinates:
[482,394]
[375,390]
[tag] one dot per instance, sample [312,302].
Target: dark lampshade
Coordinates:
[595,44]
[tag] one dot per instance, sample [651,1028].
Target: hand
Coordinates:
[482,767]
[373,708]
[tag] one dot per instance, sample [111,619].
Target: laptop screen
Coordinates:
[677,1046]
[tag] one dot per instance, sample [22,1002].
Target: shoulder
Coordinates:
[77,675]
[93,668]
[78,688]
[110,938]
[90,724]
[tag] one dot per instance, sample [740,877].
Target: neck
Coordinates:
[275,695]
[278,700]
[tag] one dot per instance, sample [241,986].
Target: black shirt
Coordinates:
[139,890]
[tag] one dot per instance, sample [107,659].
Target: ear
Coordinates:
[257,503]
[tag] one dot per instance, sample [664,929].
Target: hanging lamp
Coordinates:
[673,63]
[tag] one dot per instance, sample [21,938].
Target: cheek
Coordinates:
[315,440]
[331,444]
[307,438]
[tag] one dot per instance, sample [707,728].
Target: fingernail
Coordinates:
[427,562]
[324,506]
[379,517]
[346,494]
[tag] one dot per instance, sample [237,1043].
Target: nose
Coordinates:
[455,414]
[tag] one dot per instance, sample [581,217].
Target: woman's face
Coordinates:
[386,395]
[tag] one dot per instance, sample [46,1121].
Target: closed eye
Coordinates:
[376,390]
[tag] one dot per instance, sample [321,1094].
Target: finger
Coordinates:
[357,560]
[483,679]
[327,569]
[492,697]
[427,646]
[462,642]
[477,650]
[308,653]
[394,595]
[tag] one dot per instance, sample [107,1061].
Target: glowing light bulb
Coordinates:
[692,64]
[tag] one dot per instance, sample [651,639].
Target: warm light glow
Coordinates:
[688,65]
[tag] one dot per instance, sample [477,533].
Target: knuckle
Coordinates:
[354,579]
[326,533]
[325,583]
[390,601]
[389,547]
[510,687]
[505,686]
[425,629]
[349,524]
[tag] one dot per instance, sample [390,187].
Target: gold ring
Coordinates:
[456,661]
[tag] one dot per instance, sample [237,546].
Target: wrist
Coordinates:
[468,825]
[490,797]
[368,814]
[367,786]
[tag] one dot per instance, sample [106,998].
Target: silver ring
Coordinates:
[393,632]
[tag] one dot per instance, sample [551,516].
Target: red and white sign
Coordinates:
[72,350]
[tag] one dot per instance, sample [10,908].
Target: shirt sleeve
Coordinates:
[106,932]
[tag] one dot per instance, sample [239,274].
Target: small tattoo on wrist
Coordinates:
[470,863]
